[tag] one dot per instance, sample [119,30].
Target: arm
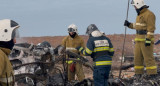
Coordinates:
[129,24]
[111,50]
[132,25]
[88,50]
[64,42]
[1,65]
[150,26]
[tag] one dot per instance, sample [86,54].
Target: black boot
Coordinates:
[154,79]
[137,80]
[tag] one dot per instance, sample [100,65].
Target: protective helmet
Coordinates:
[8,30]
[91,28]
[72,28]
[138,3]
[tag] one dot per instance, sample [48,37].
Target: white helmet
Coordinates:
[72,28]
[8,30]
[138,3]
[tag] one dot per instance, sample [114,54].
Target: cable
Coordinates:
[124,41]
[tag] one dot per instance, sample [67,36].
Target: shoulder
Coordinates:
[65,38]
[150,13]
[79,37]
[2,55]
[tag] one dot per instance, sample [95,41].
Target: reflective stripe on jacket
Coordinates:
[144,21]
[100,49]
[99,63]
[71,43]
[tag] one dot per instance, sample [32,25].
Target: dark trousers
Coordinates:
[101,75]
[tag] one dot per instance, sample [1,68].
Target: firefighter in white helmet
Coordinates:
[70,42]
[8,34]
[144,41]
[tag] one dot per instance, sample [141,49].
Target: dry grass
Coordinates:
[117,41]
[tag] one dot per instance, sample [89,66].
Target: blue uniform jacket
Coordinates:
[100,49]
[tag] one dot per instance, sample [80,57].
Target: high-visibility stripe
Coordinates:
[134,25]
[148,41]
[98,63]
[4,80]
[141,24]
[84,52]
[151,67]
[138,67]
[70,48]
[138,39]
[150,33]
[81,49]
[69,62]
[88,51]
[101,49]
[111,50]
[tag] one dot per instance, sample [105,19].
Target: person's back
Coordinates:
[8,34]
[98,54]
[101,50]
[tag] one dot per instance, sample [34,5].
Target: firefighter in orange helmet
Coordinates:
[8,34]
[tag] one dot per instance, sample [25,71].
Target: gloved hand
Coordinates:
[147,42]
[72,67]
[126,23]
[79,48]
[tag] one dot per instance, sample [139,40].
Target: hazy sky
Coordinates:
[52,17]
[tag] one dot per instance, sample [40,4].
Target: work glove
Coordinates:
[147,42]
[126,23]
[72,67]
[79,48]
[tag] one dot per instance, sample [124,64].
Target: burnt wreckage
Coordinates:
[36,65]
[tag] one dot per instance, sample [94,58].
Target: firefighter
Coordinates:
[8,34]
[100,48]
[144,41]
[70,42]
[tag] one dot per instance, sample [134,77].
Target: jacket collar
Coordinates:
[5,50]
[143,10]
[74,37]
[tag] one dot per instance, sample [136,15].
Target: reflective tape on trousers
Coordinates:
[10,79]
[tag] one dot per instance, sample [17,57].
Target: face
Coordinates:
[71,33]
[14,40]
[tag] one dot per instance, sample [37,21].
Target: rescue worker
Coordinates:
[144,41]
[8,34]
[100,48]
[70,42]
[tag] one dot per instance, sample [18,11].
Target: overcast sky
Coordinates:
[52,17]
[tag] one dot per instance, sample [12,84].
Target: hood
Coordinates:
[96,33]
